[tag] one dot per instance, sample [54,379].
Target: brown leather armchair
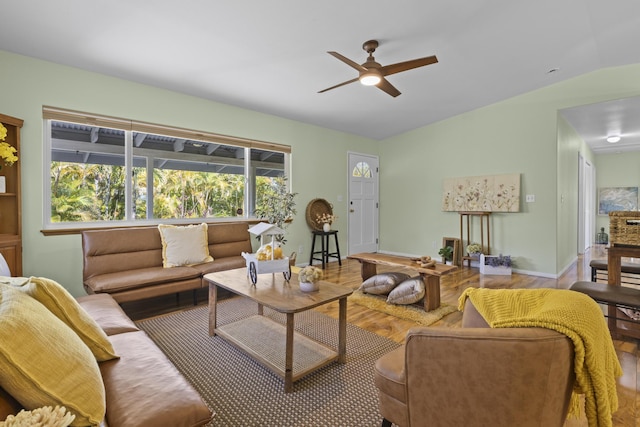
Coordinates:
[478,376]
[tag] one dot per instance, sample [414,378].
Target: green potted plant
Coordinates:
[277,205]
[447,254]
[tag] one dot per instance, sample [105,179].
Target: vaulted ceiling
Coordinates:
[271,56]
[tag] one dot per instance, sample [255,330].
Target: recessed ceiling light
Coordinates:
[613,139]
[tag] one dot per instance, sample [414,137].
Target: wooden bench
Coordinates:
[617,296]
[430,275]
[625,267]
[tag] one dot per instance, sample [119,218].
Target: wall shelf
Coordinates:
[10,202]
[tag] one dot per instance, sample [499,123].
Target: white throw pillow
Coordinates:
[383,283]
[408,292]
[184,245]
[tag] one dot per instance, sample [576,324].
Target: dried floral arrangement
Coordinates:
[326,218]
[310,274]
[474,248]
[499,261]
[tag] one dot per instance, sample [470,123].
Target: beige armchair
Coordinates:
[477,376]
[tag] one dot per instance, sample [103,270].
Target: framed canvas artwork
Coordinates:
[612,199]
[489,193]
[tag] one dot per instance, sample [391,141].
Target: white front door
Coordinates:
[363,203]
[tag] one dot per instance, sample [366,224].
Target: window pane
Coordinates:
[87,173]
[139,187]
[265,166]
[191,179]
[361,170]
[171,177]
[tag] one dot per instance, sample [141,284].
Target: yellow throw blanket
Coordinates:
[573,314]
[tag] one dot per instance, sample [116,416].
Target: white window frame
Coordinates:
[129,127]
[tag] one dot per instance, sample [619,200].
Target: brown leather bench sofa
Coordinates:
[142,387]
[127,262]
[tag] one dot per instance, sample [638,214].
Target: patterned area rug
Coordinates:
[408,312]
[243,393]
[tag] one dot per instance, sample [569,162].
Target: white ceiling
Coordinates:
[595,122]
[270,56]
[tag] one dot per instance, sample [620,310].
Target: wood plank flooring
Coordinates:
[452,286]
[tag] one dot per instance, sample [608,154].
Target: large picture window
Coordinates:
[105,170]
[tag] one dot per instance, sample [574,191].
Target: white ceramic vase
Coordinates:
[309,286]
[326,227]
[3,184]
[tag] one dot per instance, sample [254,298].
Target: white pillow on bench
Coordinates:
[184,245]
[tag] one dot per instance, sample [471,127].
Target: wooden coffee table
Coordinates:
[431,276]
[263,338]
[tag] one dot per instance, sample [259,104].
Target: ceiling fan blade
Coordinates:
[347,61]
[338,85]
[388,87]
[387,70]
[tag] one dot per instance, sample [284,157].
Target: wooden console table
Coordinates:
[431,276]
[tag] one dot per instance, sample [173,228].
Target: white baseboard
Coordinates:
[476,265]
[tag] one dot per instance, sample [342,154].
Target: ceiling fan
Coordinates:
[372,73]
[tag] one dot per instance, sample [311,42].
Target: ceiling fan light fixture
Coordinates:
[613,139]
[370,78]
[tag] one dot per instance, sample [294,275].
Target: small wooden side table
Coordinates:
[324,252]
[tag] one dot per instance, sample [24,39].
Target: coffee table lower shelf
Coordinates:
[265,341]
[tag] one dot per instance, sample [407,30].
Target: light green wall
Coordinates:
[497,139]
[570,145]
[319,156]
[519,135]
[616,170]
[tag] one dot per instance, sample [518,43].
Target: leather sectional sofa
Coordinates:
[142,387]
[127,263]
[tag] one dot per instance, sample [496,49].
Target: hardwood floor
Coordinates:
[452,286]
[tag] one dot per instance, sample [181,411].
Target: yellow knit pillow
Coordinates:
[44,363]
[186,245]
[60,302]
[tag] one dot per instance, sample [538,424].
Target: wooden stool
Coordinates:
[324,253]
